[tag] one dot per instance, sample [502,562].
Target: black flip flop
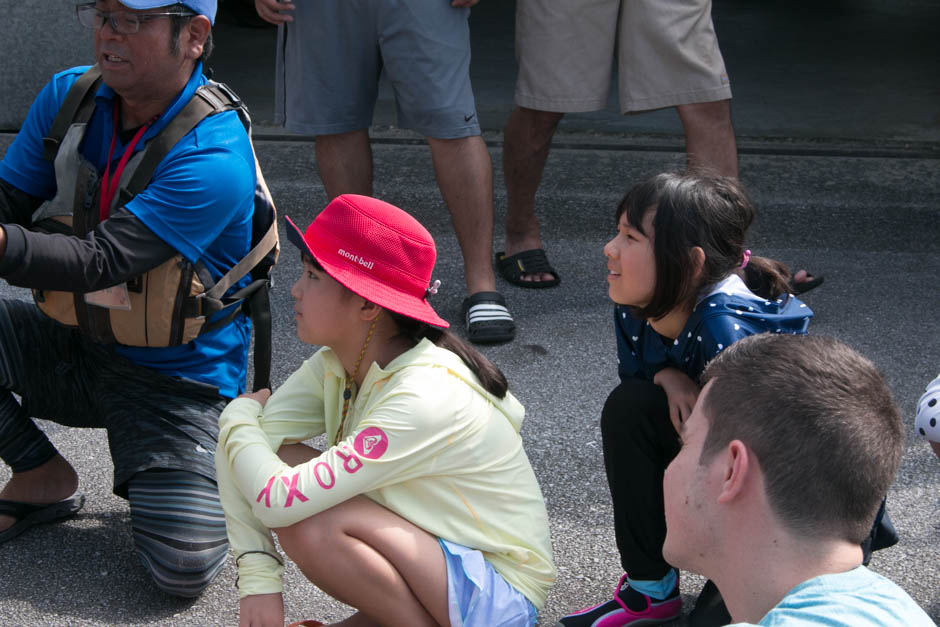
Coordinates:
[488,320]
[29,514]
[527,262]
[802,287]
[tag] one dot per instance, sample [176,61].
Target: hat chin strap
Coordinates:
[347,393]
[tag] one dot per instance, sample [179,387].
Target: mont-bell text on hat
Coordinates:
[368,265]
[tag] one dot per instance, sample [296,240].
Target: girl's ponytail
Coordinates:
[768,278]
[491,378]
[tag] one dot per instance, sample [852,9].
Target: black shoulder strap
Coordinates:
[77,107]
[205,102]
[210,99]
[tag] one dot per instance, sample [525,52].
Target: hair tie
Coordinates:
[747,257]
[432,289]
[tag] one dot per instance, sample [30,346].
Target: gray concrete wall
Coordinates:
[37,39]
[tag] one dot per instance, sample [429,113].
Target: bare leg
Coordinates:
[709,137]
[53,481]
[710,144]
[527,140]
[465,176]
[344,161]
[369,558]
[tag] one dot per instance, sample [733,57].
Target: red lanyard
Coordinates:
[109,190]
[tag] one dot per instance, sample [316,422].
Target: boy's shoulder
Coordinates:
[856,597]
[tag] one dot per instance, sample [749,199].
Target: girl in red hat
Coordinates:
[424,510]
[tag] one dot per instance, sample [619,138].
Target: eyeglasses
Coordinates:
[123,22]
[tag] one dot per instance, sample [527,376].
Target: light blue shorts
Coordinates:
[478,596]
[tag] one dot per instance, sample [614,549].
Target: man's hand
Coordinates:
[261,396]
[261,610]
[681,392]
[3,242]
[458,4]
[274,11]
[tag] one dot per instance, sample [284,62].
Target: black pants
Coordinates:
[639,442]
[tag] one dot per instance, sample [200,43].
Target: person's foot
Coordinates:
[628,607]
[802,281]
[50,483]
[525,269]
[514,246]
[801,276]
[488,319]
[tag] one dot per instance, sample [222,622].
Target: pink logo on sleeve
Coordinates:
[266,493]
[292,490]
[371,443]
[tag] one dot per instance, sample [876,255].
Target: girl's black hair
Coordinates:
[491,378]
[711,212]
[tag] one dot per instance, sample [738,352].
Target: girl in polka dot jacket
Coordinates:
[679,274]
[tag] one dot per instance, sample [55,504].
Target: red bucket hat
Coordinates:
[377,251]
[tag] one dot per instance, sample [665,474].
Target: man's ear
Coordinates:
[697,257]
[193,37]
[737,471]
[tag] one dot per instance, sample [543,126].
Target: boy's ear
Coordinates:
[697,257]
[737,470]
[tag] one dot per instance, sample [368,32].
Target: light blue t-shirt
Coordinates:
[200,201]
[857,598]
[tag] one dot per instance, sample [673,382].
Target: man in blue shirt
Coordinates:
[158,401]
[785,459]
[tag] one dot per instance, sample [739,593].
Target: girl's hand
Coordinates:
[261,396]
[261,610]
[681,392]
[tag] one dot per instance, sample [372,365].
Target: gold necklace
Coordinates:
[347,393]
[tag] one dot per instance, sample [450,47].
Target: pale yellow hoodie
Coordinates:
[422,438]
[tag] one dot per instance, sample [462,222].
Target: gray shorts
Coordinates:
[152,420]
[667,54]
[330,57]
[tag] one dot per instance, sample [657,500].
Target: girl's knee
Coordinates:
[632,401]
[325,529]
[310,533]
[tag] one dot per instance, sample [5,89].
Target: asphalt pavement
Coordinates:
[858,204]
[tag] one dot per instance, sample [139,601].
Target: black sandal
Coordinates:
[811,282]
[527,262]
[488,319]
[29,515]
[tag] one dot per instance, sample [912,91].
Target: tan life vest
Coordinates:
[173,303]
